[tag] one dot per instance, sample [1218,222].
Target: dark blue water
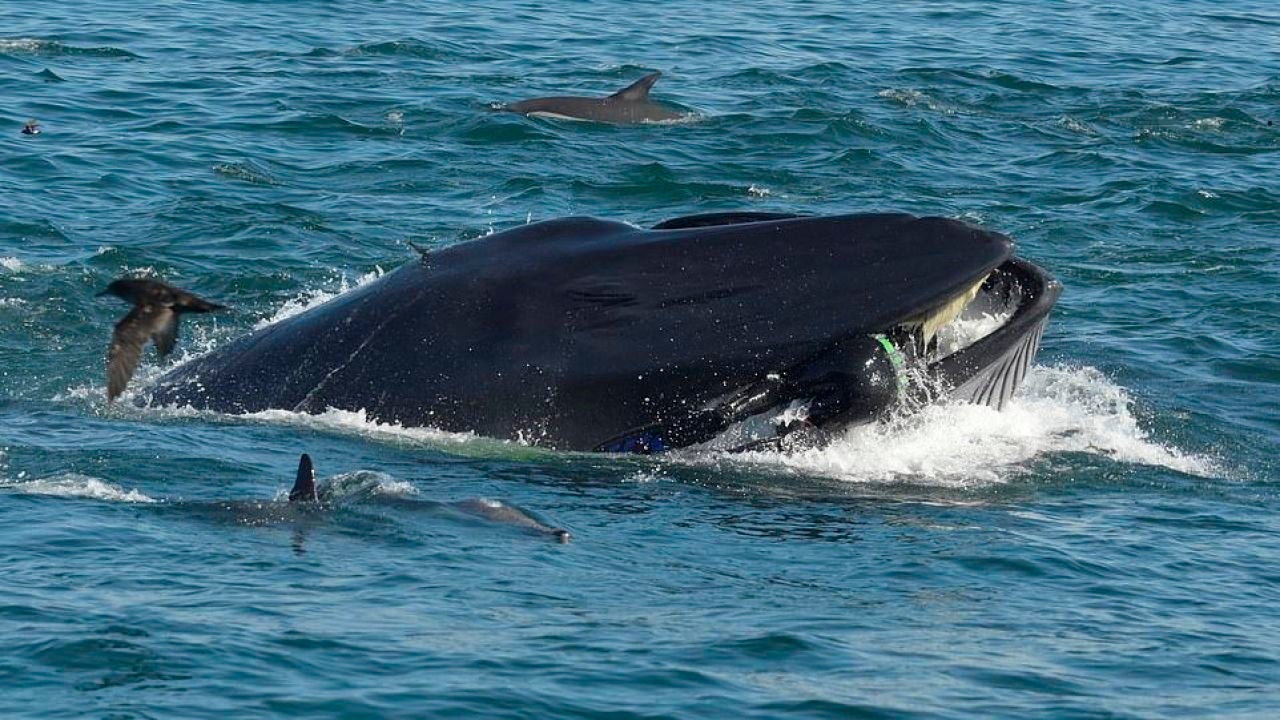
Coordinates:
[1107,547]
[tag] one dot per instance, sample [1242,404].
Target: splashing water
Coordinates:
[962,445]
[75,485]
[314,298]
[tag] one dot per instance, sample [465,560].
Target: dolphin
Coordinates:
[305,490]
[629,105]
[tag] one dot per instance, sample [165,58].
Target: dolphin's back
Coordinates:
[629,105]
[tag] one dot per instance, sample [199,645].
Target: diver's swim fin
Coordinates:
[304,488]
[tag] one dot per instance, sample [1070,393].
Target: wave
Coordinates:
[997,78]
[246,171]
[53,48]
[405,47]
[361,485]
[310,124]
[75,485]
[910,97]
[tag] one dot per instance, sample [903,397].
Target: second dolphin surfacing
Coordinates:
[629,105]
[306,491]
[587,334]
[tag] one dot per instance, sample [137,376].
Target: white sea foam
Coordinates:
[1058,410]
[311,298]
[196,341]
[78,486]
[357,422]
[10,263]
[684,118]
[365,483]
[16,45]
[359,485]
[1076,125]
[952,444]
[960,445]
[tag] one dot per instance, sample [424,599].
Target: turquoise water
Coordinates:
[1106,547]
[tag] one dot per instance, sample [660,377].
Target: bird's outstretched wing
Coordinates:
[127,341]
[187,302]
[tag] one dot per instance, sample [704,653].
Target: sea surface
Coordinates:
[1106,547]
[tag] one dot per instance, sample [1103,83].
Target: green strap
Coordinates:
[896,359]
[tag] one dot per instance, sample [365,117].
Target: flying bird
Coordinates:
[156,308]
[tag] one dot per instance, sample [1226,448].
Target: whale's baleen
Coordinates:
[629,105]
[156,309]
[588,334]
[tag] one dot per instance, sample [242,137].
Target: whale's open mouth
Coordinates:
[976,347]
[987,367]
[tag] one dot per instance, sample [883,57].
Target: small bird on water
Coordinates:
[156,308]
[31,128]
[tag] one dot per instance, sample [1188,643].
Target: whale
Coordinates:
[585,334]
[626,106]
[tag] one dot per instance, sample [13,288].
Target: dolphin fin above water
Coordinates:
[305,491]
[304,487]
[639,90]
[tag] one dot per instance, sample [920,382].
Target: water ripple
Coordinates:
[52,48]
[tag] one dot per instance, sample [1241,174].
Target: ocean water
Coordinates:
[1106,547]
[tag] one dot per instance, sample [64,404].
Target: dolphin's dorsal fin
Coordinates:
[304,488]
[638,90]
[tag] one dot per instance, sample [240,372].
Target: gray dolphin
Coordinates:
[629,105]
[305,490]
